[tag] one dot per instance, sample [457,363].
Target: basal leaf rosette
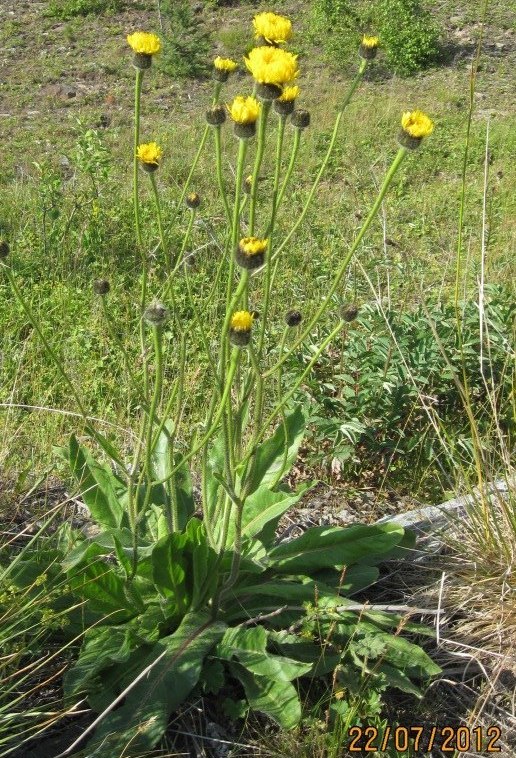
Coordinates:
[272,29]
[272,69]
[244,112]
[415,125]
[144,46]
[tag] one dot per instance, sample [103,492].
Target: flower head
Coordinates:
[241,321]
[222,68]
[244,110]
[144,43]
[414,126]
[289,94]
[368,47]
[149,154]
[250,253]
[417,124]
[271,65]
[273,28]
[240,328]
[225,64]
[284,104]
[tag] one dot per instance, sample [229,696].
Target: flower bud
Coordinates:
[240,328]
[216,116]
[349,312]
[368,47]
[101,287]
[300,119]
[193,200]
[293,318]
[250,253]
[156,314]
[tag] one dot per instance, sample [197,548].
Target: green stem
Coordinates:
[356,81]
[220,178]
[235,225]
[136,204]
[266,107]
[345,263]
[214,421]
[160,220]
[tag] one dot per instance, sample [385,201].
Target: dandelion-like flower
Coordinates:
[223,67]
[272,28]
[414,126]
[272,68]
[250,253]
[368,47]
[144,46]
[284,104]
[240,328]
[244,112]
[149,154]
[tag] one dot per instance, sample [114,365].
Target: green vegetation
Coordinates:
[407,31]
[190,449]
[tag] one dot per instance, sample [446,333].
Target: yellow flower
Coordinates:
[225,64]
[271,65]
[144,43]
[272,27]
[370,42]
[241,321]
[289,94]
[253,245]
[244,110]
[417,124]
[149,153]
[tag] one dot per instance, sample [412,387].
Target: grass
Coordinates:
[66,203]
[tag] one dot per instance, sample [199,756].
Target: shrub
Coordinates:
[186,45]
[66,9]
[407,31]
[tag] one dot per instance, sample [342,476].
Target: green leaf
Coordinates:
[140,722]
[102,647]
[98,486]
[97,582]
[204,562]
[263,509]
[169,567]
[214,464]
[324,547]
[269,464]
[278,700]
[163,460]
[249,646]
